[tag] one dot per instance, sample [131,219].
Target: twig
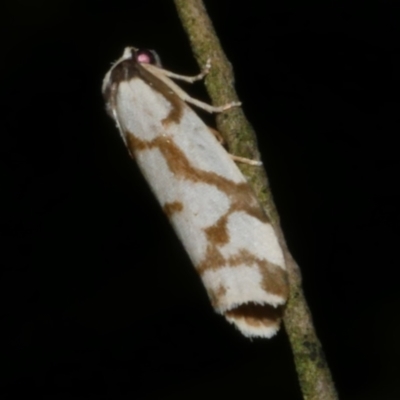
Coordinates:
[313,372]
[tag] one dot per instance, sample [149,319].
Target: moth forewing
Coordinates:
[211,206]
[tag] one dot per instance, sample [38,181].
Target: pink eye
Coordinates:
[145,56]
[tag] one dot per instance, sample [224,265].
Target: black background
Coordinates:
[98,299]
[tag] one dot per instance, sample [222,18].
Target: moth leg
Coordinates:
[217,135]
[160,74]
[242,160]
[208,107]
[190,79]
[245,160]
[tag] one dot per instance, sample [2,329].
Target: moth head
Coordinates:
[141,56]
[127,66]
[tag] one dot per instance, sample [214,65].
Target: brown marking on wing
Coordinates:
[218,233]
[240,194]
[274,279]
[173,207]
[257,315]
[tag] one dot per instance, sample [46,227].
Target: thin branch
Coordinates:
[313,372]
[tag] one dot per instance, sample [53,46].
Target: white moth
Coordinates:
[205,196]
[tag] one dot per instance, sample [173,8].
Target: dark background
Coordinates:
[98,298]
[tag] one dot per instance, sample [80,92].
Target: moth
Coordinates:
[208,201]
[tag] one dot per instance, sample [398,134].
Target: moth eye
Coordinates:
[148,57]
